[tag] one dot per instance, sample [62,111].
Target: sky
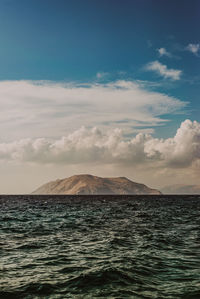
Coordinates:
[106,87]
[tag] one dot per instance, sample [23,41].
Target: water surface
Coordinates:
[99,247]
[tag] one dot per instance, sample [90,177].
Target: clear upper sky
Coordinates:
[72,40]
[127,64]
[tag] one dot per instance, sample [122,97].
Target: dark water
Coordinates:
[100,247]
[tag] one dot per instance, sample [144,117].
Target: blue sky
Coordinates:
[130,65]
[74,40]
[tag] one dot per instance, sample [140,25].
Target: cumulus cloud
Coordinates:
[180,151]
[163,70]
[51,109]
[163,52]
[193,48]
[111,147]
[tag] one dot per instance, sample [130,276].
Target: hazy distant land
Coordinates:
[181,189]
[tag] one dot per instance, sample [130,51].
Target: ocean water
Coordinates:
[99,247]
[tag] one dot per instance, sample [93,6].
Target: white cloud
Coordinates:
[180,151]
[86,146]
[35,109]
[162,70]
[163,52]
[102,75]
[193,48]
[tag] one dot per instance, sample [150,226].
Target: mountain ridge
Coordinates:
[88,184]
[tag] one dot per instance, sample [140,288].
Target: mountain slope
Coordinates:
[88,184]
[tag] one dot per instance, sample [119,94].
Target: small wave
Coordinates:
[30,291]
[30,246]
[101,278]
[119,242]
[72,269]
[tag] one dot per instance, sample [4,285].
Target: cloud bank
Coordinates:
[111,147]
[163,70]
[51,109]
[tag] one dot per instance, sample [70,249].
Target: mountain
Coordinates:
[88,184]
[181,189]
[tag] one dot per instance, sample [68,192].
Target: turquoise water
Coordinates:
[99,247]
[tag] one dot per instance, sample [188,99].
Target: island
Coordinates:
[86,184]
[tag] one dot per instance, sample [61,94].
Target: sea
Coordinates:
[99,246]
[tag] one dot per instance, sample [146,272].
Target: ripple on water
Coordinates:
[93,247]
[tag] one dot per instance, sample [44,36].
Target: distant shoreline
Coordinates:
[99,195]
